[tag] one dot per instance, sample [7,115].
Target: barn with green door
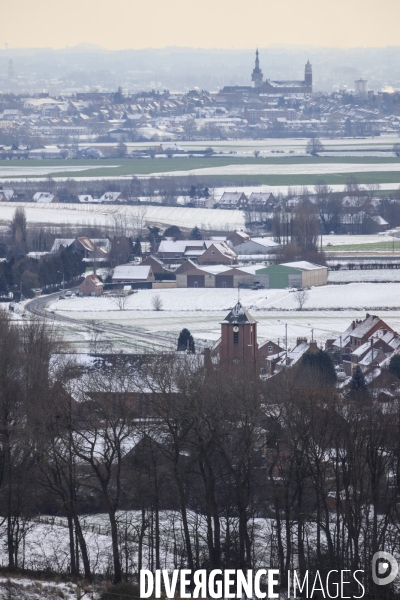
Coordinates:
[298,274]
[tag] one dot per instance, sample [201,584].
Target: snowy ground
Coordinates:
[102,215]
[296,145]
[22,171]
[297,169]
[328,310]
[22,588]
[205,218]
[358,275]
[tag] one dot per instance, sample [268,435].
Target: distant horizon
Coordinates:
[90,45]
[211,24]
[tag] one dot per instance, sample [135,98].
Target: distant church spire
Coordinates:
[257,75]
[308,75]
[10,69]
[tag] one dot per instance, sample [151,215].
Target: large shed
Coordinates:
[298,274]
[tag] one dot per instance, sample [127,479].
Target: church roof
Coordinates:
[239,316]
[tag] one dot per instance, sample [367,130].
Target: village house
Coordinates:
[237,237]
[233,200]
[217,253]
[45,197]
[261,200]
[112,197]
[156,265]
[7,195]
[91,286]
[365,343]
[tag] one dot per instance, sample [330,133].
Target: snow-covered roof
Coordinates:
[380,220]
[267,242]
[43,197]
[239,315]
[87,198]
[224,249]
[131,272]
[110,197]
[363,328]
[215,269]
[178,246]
[303,265]
[58,242]
[7,193]
[94,279]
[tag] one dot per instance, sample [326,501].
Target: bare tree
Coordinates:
[156,302]
[97,342]
[102,440]
[121,300]
[301,297]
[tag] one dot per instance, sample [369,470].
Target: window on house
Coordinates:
[235,337]
[269,348]
[212,252]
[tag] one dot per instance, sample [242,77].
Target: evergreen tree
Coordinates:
[394,365]
[3,285]
[185,341]
[154,238]
[321,362]
[192,192]
[357,385]
[137,248]
[195,234]
[174,232]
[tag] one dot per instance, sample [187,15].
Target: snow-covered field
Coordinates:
[355,296]
[22,171]
[328,310]
[361,275]
[71,214]
[297,145]
[297,169]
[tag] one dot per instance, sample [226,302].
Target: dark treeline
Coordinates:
[283,473]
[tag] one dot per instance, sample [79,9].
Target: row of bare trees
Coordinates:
[245,472]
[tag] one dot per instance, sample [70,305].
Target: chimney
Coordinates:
[353,325]
[313,346]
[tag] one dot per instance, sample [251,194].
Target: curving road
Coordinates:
[37,307]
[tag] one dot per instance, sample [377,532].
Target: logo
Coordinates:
[384,568]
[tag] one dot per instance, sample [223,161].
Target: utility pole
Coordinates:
[61,273]
[286,340]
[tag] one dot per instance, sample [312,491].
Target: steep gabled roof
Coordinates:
[239,316]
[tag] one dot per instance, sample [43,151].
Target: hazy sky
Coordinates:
[121,24]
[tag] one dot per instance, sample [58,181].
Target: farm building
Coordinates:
[215,276]
[298,274]
[257,245]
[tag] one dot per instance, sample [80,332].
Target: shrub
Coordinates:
[121,591]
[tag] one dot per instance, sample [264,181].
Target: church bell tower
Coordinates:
[239,337]
[257,74]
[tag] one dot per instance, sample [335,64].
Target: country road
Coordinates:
[37,307]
